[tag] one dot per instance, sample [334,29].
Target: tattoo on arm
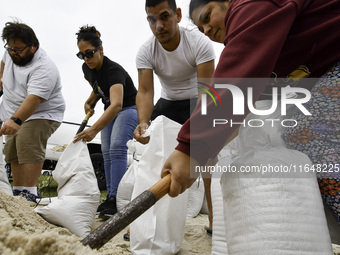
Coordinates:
[140,72]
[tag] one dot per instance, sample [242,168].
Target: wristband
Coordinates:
[16,120]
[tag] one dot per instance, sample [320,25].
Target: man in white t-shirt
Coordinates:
[178,57]
[32,106]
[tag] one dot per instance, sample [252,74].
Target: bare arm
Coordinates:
[1,72]
[26,109]
[91,103]
[205,71]
[144,103]
[116,100]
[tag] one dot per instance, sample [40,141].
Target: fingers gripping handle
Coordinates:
[83,124]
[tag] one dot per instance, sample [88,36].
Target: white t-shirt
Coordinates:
[40,77]
[177,70]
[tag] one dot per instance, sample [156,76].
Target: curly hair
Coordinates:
[16,30]
[89,34]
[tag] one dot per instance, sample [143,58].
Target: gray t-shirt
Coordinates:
[40,77]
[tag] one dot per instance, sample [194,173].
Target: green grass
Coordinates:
[47,187]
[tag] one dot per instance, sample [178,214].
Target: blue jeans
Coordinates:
[114,138]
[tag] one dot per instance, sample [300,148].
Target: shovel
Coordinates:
[84,122]
[128,214]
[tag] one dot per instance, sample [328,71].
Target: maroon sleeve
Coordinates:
[255,35]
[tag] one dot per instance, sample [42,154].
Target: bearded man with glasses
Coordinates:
[32,106]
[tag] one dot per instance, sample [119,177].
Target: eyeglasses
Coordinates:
[88,54]
[13,50]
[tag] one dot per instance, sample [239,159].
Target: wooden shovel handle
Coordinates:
[128,214]
[162,187]
[83,124]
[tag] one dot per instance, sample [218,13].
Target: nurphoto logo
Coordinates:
[280,98]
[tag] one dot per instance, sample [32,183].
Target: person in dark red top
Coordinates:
[285,39]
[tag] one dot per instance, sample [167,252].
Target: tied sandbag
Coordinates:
[78,193]
[160,230]
[4,183]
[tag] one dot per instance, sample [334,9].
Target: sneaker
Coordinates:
[16,192]
[29,196]
[111,208]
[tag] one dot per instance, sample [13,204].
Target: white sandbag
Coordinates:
[160,230]
[126,184]
[5,186]
[196,193]
[219,240]
[196,196]
[76,213]
[285,212]
[272,213]
[125,187]
[78,193]
[204,208]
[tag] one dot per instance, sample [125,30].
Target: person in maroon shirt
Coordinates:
[285,39]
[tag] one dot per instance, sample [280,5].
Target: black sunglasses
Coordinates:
[13,50]
[88,54]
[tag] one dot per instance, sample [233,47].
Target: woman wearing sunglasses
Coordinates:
[287,39]
[113,85]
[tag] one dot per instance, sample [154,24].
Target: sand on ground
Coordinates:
[24,232]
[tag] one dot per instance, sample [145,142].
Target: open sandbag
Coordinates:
[160,230]
[4,183]
[78,193]
[126,184]
[196,193]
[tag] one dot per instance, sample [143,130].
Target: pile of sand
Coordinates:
[23,231]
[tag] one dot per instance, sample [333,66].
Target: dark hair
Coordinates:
[89,34]
[15,30]
[194,4]
[152,3]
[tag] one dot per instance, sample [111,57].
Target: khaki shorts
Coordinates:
[29,144]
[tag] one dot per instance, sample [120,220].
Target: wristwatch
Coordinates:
[16,120]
